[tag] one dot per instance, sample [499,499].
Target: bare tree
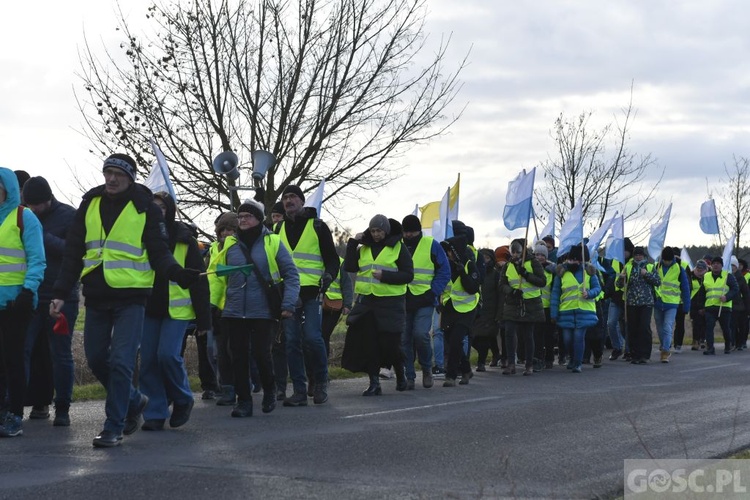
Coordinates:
[598,167]
[734,200]
[335,89]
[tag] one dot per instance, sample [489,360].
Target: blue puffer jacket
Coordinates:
[33,241]
[575,318]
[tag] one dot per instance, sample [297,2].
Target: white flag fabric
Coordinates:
[316,199]
[709,221]
[596,238]
[158,177]
[443,228]
[727,255]
[685,257]
[415,213]
[571,232]
[517,209]
[616,242]
[549,229]
[659,235]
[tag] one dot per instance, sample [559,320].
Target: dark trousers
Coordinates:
[329,321]
[278,353]
[639,331]
[250,337]
[545,339]
[597,334]
[13,326]
[458,362]
[483,346]
[679,327]
[699,328]
[739,327]
[514,331]
[724,319]
[223,353]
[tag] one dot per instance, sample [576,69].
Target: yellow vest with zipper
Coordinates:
[669,290]
[515,281]
[424,268]
[180,304]
[570,293]
[306,254]
[12,251]
[386,261]
[462,301]
[547,290]
[715,288]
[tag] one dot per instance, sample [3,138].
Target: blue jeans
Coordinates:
[614,325]
[416,334]
[304,331]
[437,340]
[111,338]
[664,326]
[60,347]
[162,375]
[574,339]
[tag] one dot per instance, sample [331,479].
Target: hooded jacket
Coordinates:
[32,240]
[466,271]
[157,305]
[55,223]
[486,324]
[575,318]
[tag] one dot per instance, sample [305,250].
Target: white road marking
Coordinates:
[708,368]
[413,408]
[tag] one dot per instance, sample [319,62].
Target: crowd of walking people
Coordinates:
[264,298]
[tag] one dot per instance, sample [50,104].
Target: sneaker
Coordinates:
[709,352]
[642,361]
[62,417]
[695,346]
[449,382]
[664,358]
[208,395]
[245,408]
[616,353]
[228,396]
[677,349]
[493,364]
[269,402]
[627,357]
[537,365]
[576,369]
[510,370]
[107,439]
[465,378]
[134,417]
[12,426]
[703,345]
[438,372]
[598,362]
[481,368]
[386,374]
[280,395]
[410,385]
[528,371]
[548,365]
[181,414]
[153,424]
[427,380]
[320,393]
[570,365]
[39,412]
[296,399]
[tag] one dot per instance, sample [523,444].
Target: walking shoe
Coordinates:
[181,414]
[245,408]
[493,363]
[107,439]
[427,381]
[643,361]
[374,388]
[257,388]
[465,378]
[410,384]
[438,372]
[586,361]
[481,368]
[576,369]
[386,374]
[228,396]
[695,346]
[709,352]
[634,361]
[627,357]
[537,365]
[677,349]
[153,424]
[208,395]
[62,416]
[503,364]
[664,358]
[134,417]
[296,399]
[616,353]
[570,365]
[280,395]
[269,402]
[509,370]
[598,362]
[12,426]
[449,382]
[703,345]
[320,393]
[528,370]
[39,412]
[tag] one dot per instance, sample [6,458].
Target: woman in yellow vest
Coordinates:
[572,304]
[384,267]
[169,309]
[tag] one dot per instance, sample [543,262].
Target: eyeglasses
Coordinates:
[245,216]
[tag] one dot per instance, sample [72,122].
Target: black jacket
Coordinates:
[96,290]
[56,221]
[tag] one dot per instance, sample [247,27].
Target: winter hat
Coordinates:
[22,176]
[667,254]
[278,208]
[227,220]
[380,222]
[577,254]
[639,251]
[253,207]
[734,261]
[123,162]
[36,190]
[701,265]
[628,246]
[291,188]
[707,258]
[541,248]
[549,239]
[411,223]
[717,260]
[502,253]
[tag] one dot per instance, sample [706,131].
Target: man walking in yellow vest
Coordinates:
[673,290]
[117,240]
[721,289]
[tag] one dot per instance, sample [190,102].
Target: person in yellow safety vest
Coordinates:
[521,281]
[310,242]
[573,302]
[740,306]
[248,318]
[679,322]
[169,309]
[639,280]
[721,289]
[340,297]
[115,244]
[596,335]
[616,313]
[384,267]
[22,264]
[698,305]
[674,289]
[545,332]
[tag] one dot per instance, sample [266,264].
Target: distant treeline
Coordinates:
[697,252]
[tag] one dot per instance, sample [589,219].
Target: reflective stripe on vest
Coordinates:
[306,254]
[121,252]
[547,290]
[617,267]
[570,293]
[215,285]
[424,268]
[463,301]
[715,288]
[334,290]
[12,253]
[386,261]
[271,245]
[669,290]
[696,287]
[514,280]
[180,304]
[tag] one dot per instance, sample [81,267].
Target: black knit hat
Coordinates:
[22,176]
[639,251]
[291,188]
[411,223]
[123,162]
[278,208]
[36,190]
[667,254]
[253,207]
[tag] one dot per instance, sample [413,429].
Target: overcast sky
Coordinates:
[529,62]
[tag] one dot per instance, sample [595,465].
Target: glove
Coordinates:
[522,272]
[24,301]
[186,277]
[325,281]
[517,293]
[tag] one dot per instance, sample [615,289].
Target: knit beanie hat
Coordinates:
[227,220]
[719,260]
[22,176]
[123,162]
[278,208]
[253,207]
[291,188]
[541,248]
[411,223]
[36,190]
[639,251]
[667,254]
[701,265]
[549,239]
[380,222]
[734,261]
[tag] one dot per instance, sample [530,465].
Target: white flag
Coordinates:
[158,177]
[316,199]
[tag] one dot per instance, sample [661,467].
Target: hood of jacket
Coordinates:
[457,245]
[12,192]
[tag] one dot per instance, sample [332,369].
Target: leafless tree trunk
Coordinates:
[734,200]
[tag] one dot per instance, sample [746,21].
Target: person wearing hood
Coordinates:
[502,257]
[573,302]
[521,281]
[310,242]
[673,291]
[49,354]
[549,242]
[384,267]
[721,289]
[431,275]
[486,326]
[22,265]
[545,333]
[169,309]
[459,307]
[117,242]
[247,317]
[616,311]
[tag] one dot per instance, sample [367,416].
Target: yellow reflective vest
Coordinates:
[180,304]
[515,281]
[424,268]
[462,301]
[334,289]
[669,290]
[386,261]
[715,288]
[306,254]
[570,293]
[12,251]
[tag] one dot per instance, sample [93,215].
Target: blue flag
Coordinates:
[709,222]
[659,235]
[517,211]
[571,232]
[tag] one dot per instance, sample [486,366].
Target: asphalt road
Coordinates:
[552,435]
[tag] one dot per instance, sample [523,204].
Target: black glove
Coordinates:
[522,272]
[24,302]
[186,277]
[325,281]
[517,293]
